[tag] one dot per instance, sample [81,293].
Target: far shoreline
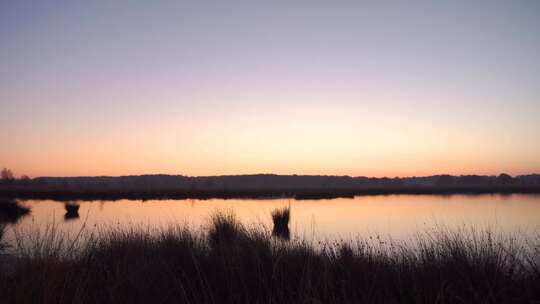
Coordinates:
[70,194]
[260,186]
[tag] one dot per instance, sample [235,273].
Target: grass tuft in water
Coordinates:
[11,211]
[281,218]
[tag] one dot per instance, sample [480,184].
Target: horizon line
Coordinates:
[275,174]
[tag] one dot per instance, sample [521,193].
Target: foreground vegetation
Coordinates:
[229,263]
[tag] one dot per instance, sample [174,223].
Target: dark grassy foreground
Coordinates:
[231,264]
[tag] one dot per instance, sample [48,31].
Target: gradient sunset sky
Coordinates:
[370,88]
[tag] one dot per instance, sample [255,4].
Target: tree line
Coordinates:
[7,176]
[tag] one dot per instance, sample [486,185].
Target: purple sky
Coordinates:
[225,87]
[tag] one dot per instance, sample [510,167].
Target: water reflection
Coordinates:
[398,216]
[282,233]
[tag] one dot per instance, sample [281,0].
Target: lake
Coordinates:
[397,216]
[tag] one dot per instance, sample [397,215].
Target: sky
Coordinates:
[371,88]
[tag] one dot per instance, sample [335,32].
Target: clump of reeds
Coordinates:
[72,210]
[11,211]
[281,218]
[224,228]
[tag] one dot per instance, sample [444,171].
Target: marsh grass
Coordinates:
[281,218]
[72,211]
[71,208]
[224,229]
[11,211]
[230,263]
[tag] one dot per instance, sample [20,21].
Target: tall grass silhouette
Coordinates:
[225,229]
[228,262]
[280,219]
[72,211]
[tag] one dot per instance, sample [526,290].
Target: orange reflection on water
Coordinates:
[397,216]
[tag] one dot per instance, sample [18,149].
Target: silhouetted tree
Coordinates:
[25,179]
[504,179]
[6,175]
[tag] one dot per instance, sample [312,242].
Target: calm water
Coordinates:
[396,216]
